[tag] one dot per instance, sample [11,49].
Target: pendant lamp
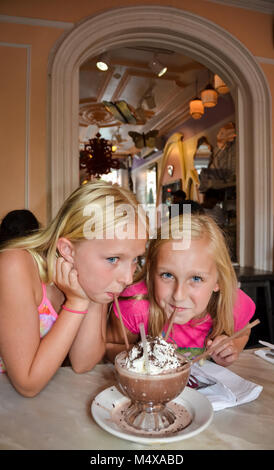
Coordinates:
[196,107]
[209,96]
[220,85]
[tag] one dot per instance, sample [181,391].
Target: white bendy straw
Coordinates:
[144,341]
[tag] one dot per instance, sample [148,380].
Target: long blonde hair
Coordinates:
[221,303]
[70,222]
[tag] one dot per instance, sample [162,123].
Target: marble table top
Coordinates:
[60,417]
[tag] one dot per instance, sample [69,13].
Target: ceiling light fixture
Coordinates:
[209,95]
[156,66]
[220,86]
[103,62]
[96,158]
[196,107]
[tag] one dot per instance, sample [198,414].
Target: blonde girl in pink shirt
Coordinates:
[198,281]
[55,286]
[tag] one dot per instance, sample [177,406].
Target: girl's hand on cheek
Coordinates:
[66,279]
[224,354]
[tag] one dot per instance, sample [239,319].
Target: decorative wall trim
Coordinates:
[263,6]
[208,44]
[27,117]
[265,60]
[27,127]
[35,22]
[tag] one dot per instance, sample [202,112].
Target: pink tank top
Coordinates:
[47,316]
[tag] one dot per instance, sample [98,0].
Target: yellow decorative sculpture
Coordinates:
[188,173]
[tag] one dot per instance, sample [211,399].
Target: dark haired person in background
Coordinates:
[18,223]
[211,205]
[179,197]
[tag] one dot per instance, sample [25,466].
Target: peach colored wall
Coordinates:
[13,123]
[18,128]
[241,23]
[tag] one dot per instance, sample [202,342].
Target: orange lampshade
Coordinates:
[220,85]
[209,97]
[196,108]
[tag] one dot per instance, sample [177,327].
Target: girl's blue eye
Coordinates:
[166,276]
[197,278]
[113,259]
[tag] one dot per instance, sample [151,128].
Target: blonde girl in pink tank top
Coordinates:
[55,286]
[188,271]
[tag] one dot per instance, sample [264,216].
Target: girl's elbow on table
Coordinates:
[27,389]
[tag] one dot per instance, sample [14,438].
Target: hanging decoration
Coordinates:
[96,158]
[220,86]
[121,110]
[209,96]
[196,107]
[144,140]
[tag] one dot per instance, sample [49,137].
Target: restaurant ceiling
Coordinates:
[159,103]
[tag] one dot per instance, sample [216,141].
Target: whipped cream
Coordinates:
[161,355]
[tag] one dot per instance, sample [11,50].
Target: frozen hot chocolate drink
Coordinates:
[161,356]
[150,388]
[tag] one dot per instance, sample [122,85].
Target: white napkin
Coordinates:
[262,353]
[230,389]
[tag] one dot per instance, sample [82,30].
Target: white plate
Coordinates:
[196,404]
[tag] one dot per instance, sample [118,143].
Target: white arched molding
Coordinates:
[207,43]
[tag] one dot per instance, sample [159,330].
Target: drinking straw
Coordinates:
[170,323]
[144,341]
[121,321]
[225,341]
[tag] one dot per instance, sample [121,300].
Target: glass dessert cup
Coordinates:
[149,394]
